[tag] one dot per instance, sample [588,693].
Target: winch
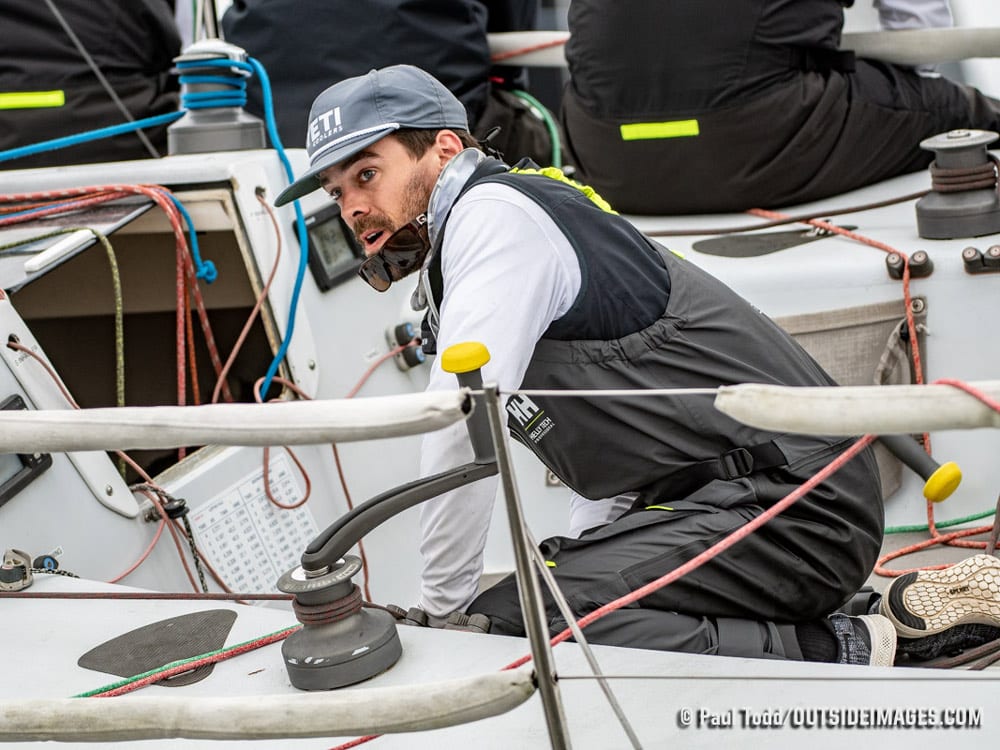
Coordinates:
[341,642]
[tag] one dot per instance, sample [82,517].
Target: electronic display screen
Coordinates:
[334,254]
[10,465]
[18,470]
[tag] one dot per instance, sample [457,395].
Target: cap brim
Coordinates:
[309,182]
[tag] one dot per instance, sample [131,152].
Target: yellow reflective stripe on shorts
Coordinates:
[32,99]
[649,131]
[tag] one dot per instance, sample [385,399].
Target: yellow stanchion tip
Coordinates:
[943,482]
[465,357]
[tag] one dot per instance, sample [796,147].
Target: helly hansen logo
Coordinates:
[323,126]
[529,417]
[522,408]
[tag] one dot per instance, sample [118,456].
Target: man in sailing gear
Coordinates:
[566,294]
[752,101]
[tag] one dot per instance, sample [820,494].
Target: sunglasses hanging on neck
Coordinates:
[401,254]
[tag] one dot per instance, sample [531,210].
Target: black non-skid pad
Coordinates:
[755,245]
[162,642]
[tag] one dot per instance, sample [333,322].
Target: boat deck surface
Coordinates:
[668,697]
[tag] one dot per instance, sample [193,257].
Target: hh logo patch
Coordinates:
[532,420]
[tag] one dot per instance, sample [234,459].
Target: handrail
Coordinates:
[381,710]
[275,423]
[856,410]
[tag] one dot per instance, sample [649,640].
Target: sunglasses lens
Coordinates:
[404,251]
[375,272]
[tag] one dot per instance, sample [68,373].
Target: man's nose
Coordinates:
[352,206]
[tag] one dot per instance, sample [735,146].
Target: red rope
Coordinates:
[189,666]
[74,198]
[525,50]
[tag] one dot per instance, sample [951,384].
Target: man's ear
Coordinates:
[447,145]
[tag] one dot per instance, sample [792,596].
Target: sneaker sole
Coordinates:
[883,645]
[927,602]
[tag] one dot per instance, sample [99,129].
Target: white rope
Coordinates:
[376,710]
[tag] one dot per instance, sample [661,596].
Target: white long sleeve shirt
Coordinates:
[508,272]
[913,14]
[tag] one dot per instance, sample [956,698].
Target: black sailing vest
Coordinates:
[646,319]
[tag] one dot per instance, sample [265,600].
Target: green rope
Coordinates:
[941,525]
[550,124]
[181,662]
[116,283]
[27,240]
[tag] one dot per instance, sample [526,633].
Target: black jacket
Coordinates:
[309,45]
[645,58]
[133,42]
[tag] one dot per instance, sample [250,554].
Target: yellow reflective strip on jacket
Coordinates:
[32,99]
[658,507]
[557,174]
[649,131]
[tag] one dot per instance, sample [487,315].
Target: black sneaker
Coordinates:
[867,639]
[928,602]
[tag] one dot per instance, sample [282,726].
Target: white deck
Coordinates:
[654,688]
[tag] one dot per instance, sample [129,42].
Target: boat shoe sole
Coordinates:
[926,602]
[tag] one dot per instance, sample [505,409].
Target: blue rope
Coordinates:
[204,269]
[90,135]
[300,224]
[236,97]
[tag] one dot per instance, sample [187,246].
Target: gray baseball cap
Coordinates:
[356,112]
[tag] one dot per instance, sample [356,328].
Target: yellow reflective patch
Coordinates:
[554,173]
[549,564]
[658,507]
[649,131]
[32,99]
